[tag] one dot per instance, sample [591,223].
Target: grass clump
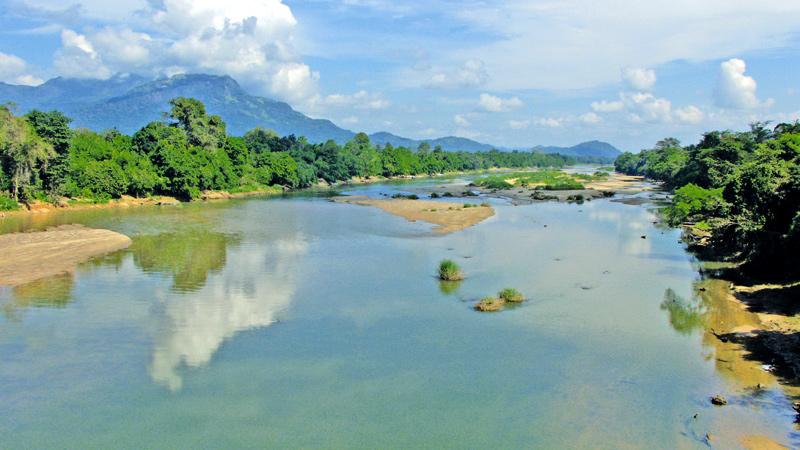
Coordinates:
[450,271]
[406,196]
[7,203]
[490,304]
[511,295]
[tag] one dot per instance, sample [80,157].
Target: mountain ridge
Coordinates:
[128,102]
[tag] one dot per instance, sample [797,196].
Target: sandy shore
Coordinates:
[25,257]
[448,216]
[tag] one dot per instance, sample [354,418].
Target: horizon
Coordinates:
[471,70]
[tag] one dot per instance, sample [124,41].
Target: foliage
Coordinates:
[511,295]
[450,271]
[7,203]
[744,188]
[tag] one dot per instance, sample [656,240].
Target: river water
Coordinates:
[298,322]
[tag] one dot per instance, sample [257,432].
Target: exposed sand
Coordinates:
[618,182]
[448,216]
[25,257]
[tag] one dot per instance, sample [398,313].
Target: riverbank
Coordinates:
[447,216]
[26,257]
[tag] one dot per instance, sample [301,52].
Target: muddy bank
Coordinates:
[447,216]
[25,257]
[126,201]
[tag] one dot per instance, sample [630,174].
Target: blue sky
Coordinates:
[512,73]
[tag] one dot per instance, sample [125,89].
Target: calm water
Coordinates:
[297,322]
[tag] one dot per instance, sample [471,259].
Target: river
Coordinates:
[299,322]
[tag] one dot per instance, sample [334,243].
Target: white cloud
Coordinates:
[471,74]
[461,121]
[609,34]
[493,103]
[690,114]
[78,58]
[639,79]
[519,124]
[14,69]
[608,106]
[252,41]
[590,118]
[645,107]
[352,120]
[736,90]
[549,122]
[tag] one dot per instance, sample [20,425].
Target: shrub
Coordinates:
[692,201]
[406,196]
[450,271]
[434,195]
[511,295]
[7,203]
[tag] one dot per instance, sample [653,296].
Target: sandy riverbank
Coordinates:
[25,257]
[447,216]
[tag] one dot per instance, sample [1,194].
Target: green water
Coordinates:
[297,322]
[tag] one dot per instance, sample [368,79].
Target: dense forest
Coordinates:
[42,158]
[741,191]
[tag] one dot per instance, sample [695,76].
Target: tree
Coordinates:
[22,152]
[202,130]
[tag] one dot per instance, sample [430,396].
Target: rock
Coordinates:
[719,400]
[167,201]
[644,237]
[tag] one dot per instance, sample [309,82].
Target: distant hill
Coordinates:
[447,143]
[128,102]
[590,149]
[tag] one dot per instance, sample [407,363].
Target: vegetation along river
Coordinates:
[301,322]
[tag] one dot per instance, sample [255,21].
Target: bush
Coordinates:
[7,203]
[450,271]
[511,295]
[694,202]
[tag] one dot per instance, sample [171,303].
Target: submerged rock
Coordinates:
[719,400]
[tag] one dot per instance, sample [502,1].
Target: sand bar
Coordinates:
[448,216]
[25,257]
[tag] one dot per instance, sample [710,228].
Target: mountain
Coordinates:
[447,143]
[129,102]
[590,149]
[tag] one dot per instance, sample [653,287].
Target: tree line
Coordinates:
[741,189]
[189,151]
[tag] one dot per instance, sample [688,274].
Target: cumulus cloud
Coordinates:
[690,114]
[644,107]
[549,122]
[15,70]
[493,103]
[253,41]
[639,79]
[736,90]
[471,74]
[608,106]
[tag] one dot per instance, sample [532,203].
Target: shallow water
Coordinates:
[297,322]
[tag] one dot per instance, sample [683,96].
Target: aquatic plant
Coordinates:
[490,304]
[511,295]
[450,271]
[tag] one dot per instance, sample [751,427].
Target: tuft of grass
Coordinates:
[511,295]
[450,271]
[485,205]
[406,196]
[434,195]
[7,203]
[490,304]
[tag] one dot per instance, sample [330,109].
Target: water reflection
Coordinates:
[189,256]
[52,292]
[714,314]
[257,284]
